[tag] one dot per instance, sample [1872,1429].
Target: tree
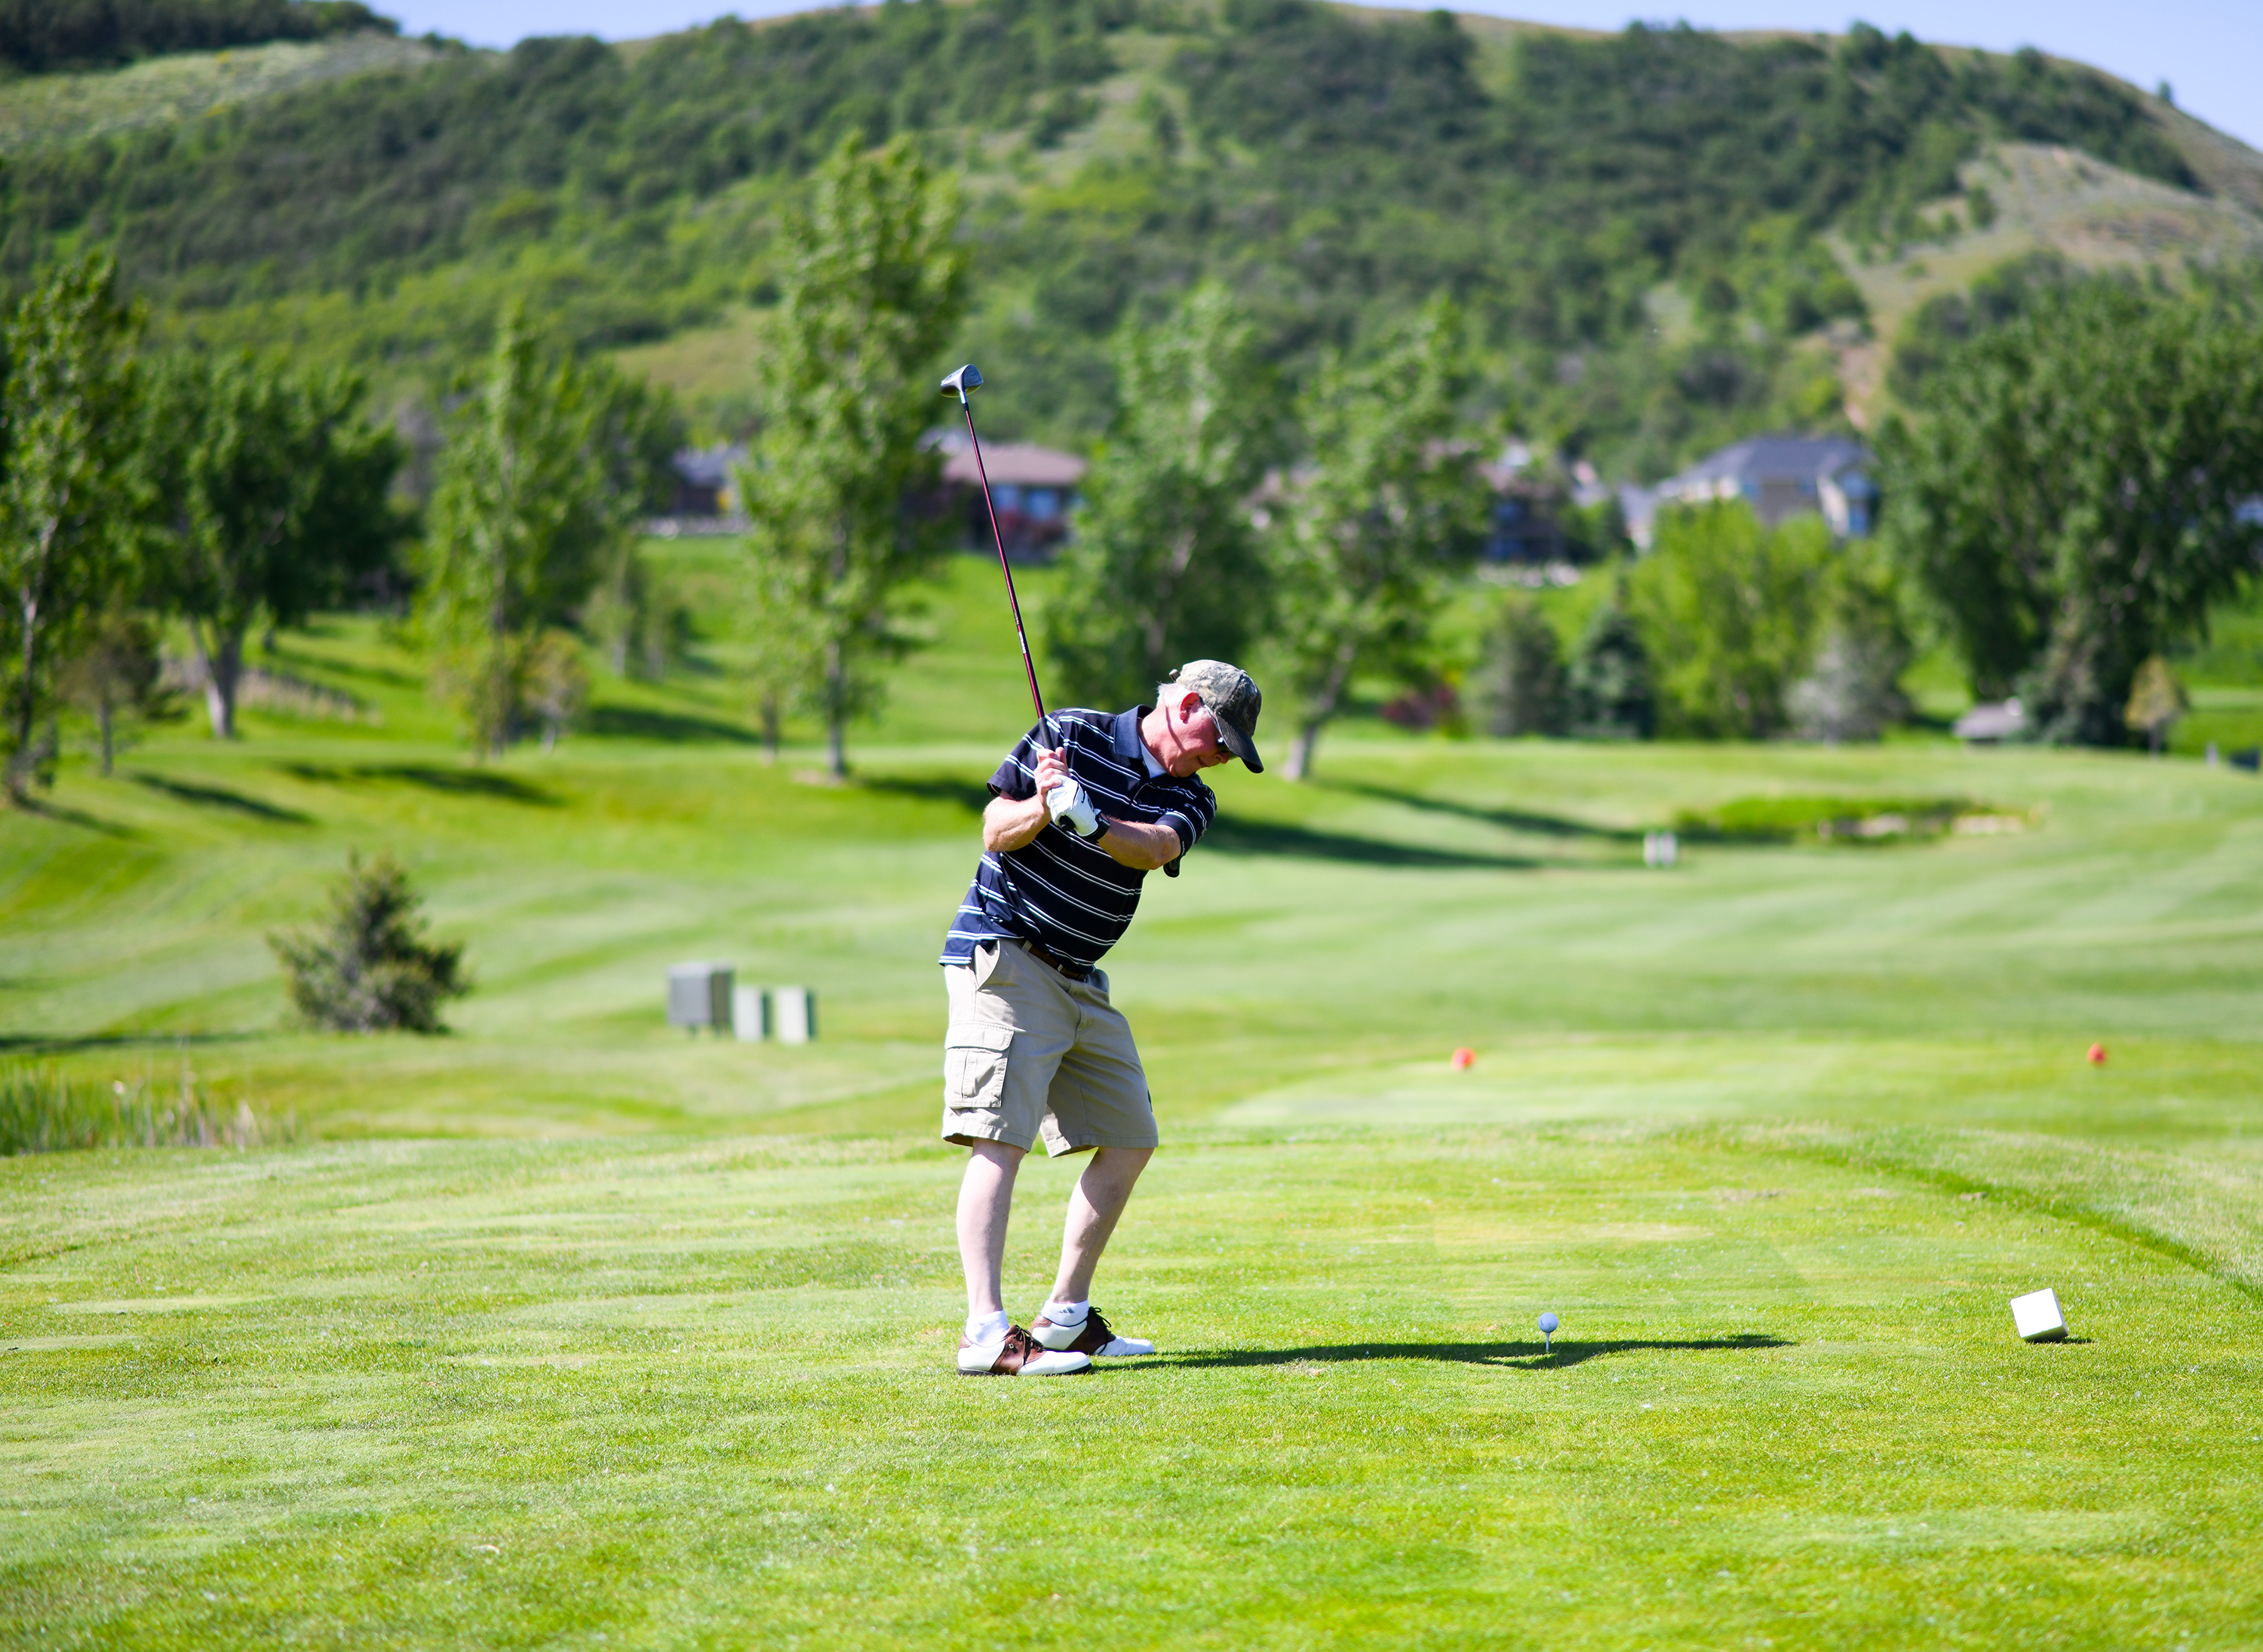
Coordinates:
[556,684]
[271,498]
[114,678]
[1611,693]
[70,502]
[2075,490]
[368,967]
[632,611]
[783,661]
[1853,690]
[1730,609]
[1166,565]
[1520,687]
[1392,502]
[543,479]
[870,285]
[2157,700]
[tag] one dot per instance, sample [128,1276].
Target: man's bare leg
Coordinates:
[1093,1206]
[986,1199]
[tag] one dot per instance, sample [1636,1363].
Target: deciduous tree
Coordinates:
[872,282]
[115,679]
[1612,697]
[270,496]
[542,481]
[1391,504]
[1166,566]
[1519,686]
[70,502]
[2076,489]
[1728,611]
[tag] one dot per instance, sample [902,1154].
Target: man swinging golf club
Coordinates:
[1034,1050]
[1085,806]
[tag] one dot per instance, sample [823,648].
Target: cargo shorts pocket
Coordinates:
[974,1067]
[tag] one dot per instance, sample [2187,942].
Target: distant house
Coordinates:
[705,482]
[1782,476]
[1032,488]
[1527,522]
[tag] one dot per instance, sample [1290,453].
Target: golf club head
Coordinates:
[963,380]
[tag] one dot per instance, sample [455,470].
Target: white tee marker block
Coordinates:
[2038,1317]
[750,1014]
[793,1015]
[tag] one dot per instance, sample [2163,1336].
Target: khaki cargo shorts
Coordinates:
[1031,1053]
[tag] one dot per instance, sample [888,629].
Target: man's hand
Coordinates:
[1010,823]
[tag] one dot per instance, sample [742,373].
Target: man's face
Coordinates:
[1190,742]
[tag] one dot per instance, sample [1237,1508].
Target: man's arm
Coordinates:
[1009,823]
[1138,844]
[1013,822]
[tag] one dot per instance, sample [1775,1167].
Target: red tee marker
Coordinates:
[1465,1058]
[2097,1057]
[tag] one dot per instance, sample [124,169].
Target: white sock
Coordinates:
[1067,1313]
[983,1328]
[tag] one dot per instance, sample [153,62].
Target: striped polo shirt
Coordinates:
[1062,891]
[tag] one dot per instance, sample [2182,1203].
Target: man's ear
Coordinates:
[1189,703]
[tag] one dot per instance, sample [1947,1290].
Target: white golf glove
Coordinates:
[1070,807]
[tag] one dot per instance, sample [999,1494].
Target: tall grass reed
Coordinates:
[43,1112]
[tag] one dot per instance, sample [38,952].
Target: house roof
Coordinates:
[1764,459]
[708,466]
[1010,464]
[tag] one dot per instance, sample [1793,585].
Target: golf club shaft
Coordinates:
[998,539]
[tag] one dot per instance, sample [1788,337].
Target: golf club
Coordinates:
[1073,807]
[958,384]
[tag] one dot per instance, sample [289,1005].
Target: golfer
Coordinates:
[1034,1050]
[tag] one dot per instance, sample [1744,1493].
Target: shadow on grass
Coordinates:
[460,782]
[971,796]
[66,1043]
[47,808]
[1522,1356]
[314,662]
[1512,819]
[635,723]
[1235,835]
[220,797]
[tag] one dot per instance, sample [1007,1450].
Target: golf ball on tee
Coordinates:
[1548,1323]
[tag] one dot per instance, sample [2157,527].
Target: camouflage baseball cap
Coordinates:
[1233,700]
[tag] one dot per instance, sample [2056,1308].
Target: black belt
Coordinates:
[1046,955]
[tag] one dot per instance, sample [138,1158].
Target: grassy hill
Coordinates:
[566,1326]
[1664,238]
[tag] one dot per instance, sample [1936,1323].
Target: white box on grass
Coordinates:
[793,1015]
[699,995]
[750,1014]
[2038,1317]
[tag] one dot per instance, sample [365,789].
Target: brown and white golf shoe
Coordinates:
[1018,1355]
[1091,1335]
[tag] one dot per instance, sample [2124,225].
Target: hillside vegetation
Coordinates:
[1650,232]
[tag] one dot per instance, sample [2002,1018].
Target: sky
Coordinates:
[2208,51]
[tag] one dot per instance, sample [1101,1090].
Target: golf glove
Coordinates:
[1070,807]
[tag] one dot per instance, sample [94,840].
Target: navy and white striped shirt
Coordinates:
[1062,891]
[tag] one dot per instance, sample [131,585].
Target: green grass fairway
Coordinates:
[567,1331]
[643,1395]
